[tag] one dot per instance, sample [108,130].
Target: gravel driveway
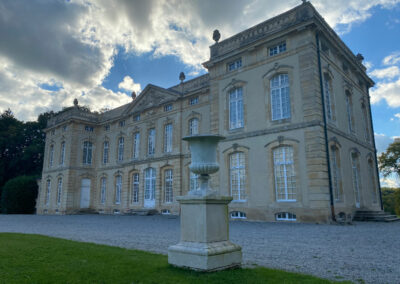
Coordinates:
[367,251]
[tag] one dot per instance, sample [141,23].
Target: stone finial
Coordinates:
[133,95]
[182,77]
[216,35]
[75,102]
[359,57]
[304,1]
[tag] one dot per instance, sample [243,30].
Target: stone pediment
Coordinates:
[151,96]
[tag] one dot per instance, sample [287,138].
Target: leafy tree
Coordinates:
[391,200]
[389,161]
[19,195]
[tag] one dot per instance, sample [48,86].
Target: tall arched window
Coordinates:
[106,148]
[285,177]
[51,156]
[349,109]
[355,169]
[168,138]
[374,188]
[59,190]
[238,176]
[168,180]
[87,153]
[328,97]
[193,126]
[121,149]
[336,176]
[118,189]
[136,145]
[367,135]
[236,108]
[48,188]
[151,142]
[135,188]
[280,97]
[103,190]
[150,185]
[62,153]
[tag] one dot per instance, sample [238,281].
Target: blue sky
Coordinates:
[99,51]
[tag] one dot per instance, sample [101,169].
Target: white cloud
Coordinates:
[388,91]
[386,73]
[390,181]
[382,141]
[392,59]
[129,85]
[73,43]
[397,115]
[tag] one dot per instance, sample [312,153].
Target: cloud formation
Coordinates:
[73,43]
[129,85]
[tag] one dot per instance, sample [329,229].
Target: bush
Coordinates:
[19,195]
[391,200]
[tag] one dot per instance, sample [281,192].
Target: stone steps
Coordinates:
[374,216]
[141,212]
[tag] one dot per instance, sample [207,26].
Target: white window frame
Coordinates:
[121,145]
[135,187]
[194,101]
[289,182]
[87,152]
[238,215]
[280,97]
[335,174]
[151,147]
[356,177]
[59,190]
[168,132]
[349,109]
[366,124]
[62,154]
[276,49]
[118,189]
[194,126]
[234,65]
[150,184]
[285,216]
[168,186]
[237,174]
[103,190]
[136,145]
[106,149]
[236,117]
[51,158]
[328,97]
[48,189]
[168,107]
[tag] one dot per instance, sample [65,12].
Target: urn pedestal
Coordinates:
[204,243]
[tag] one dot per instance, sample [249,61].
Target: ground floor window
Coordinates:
[118,188]
[103,183]
[238,215]
[168,186]
[135,188]
[285,216]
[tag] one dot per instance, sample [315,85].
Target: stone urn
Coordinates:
[204,244]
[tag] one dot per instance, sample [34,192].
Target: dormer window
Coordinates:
[168,107]
[88,128]
[276,49]
[235,64]
[193,101]
[121,123]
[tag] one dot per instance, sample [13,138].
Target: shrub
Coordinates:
[19,195]
[391,200]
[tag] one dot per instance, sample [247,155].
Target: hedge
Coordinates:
[19,195]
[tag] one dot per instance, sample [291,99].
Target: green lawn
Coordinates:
[40,259]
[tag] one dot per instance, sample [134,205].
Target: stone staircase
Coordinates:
[141,212]
[374,216]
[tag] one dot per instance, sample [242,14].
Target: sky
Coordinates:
[99,51]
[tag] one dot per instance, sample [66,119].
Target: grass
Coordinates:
[40,259]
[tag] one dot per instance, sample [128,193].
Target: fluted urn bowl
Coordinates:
[204,153]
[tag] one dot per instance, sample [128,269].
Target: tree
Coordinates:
[389,161]
[19,195]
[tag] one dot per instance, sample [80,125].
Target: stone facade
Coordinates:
[292,101]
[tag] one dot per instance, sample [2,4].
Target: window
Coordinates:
[135,188]
[136,117]
[165,212]
[168,107]
[59,191]
[53,132]
[336,177]
[194,101]
[150,184]
[328,97]
[356,177]
[51,158]
[235,64]
[106,147]
[238,215]
[168,198]
[118,188]
[374,188]
[285,179]
[121,149]
[194,181]
[87,153]
[366,128]
[65,127]
[48,188]
[238,176]
[274,50]
[103,183]
[236,108]
[285,216]
[280,100]
[121,123]
[193,126]
[88,128]
[107,127]
[151,142]
[62,154]
[136,145]
[349,108]
[168,138]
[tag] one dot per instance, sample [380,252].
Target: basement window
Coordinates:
[165,212]
[238,215]
[285,216]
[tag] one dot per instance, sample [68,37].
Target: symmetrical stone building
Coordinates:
[289,96]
